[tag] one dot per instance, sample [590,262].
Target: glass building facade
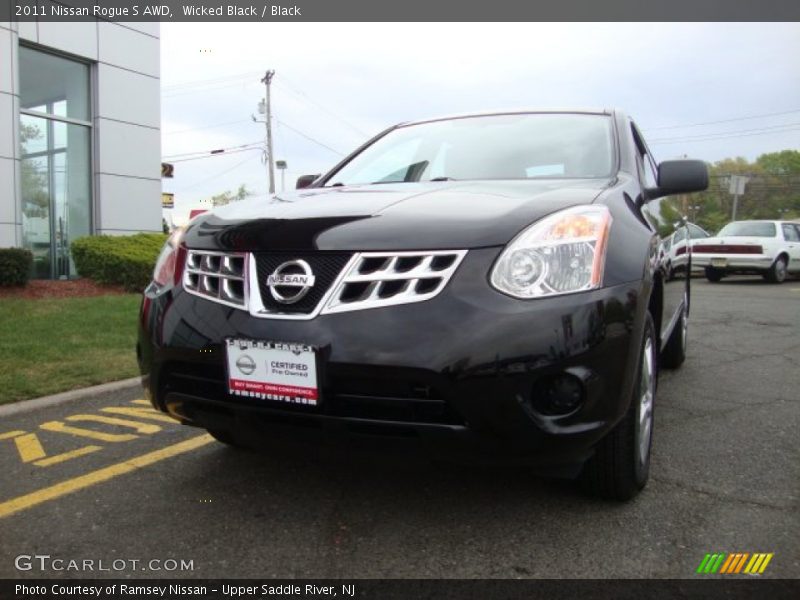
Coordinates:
[55,151]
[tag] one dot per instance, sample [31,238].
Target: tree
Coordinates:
[34,183]
[227,197]
[786,162]
[772,190]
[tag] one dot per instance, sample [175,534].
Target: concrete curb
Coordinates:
[24,406]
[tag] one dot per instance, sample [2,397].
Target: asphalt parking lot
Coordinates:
[108,480]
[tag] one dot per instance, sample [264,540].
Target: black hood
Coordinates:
[407,216]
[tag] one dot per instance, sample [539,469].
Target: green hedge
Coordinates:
[15,266]
[118,260]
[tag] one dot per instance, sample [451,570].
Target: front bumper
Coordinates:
[461,373]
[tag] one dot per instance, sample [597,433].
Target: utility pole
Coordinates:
[736,188]
[267,81]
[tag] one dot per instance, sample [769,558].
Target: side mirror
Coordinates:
[680,177]
[305,180]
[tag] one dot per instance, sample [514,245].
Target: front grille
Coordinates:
[342,281]
[325,266]
[396,400]
[378,279]
[217,276]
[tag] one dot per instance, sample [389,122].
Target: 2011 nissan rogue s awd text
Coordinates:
[488,285]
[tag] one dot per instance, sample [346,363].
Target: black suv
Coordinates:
[487,285]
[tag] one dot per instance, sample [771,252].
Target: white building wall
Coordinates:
[10,220]
[125,116]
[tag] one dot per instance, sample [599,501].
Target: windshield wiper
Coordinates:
[445,178]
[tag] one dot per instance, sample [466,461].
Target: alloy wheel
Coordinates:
[647,392]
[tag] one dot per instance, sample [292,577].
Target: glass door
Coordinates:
[55,137]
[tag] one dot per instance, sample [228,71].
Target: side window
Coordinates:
[650,177]
[790,233]
[646,163]
[696,232]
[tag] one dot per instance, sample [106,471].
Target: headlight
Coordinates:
[170,262]
[563,253]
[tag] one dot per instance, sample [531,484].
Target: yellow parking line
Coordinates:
[141,413]
[59,458]
[9,507]
[139,427]
[60,427]
[29,447]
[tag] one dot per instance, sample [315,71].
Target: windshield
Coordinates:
[745,228]
[518,146]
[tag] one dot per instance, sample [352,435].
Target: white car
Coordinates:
[676,248]
[769,248]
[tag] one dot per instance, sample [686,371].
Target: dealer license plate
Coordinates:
[272,371]
[719,262]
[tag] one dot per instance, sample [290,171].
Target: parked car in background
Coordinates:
[677,247]
[485,286]
[768,248]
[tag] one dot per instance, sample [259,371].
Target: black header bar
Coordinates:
[406,10]
[710,588]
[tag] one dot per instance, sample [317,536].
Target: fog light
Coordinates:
[558,394]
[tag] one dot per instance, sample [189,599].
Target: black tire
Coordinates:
[225,437]
[617,469]
[675,351]
[777,272]
[713,275]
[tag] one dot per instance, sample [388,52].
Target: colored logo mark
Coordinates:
[736,562]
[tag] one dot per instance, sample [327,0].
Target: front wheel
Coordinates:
[675,351]
[225,437]
[621,463]
[777,272]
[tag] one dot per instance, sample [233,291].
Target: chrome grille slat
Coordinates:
[217,276]
[371,297]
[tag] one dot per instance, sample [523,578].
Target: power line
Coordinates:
[720,136]
[188,129]
[298,92]
[213,151]
[788,112]
[735,131]
[218,88]
[216,175]
[204,82]
[308,137]
[215,155]
[182,157]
